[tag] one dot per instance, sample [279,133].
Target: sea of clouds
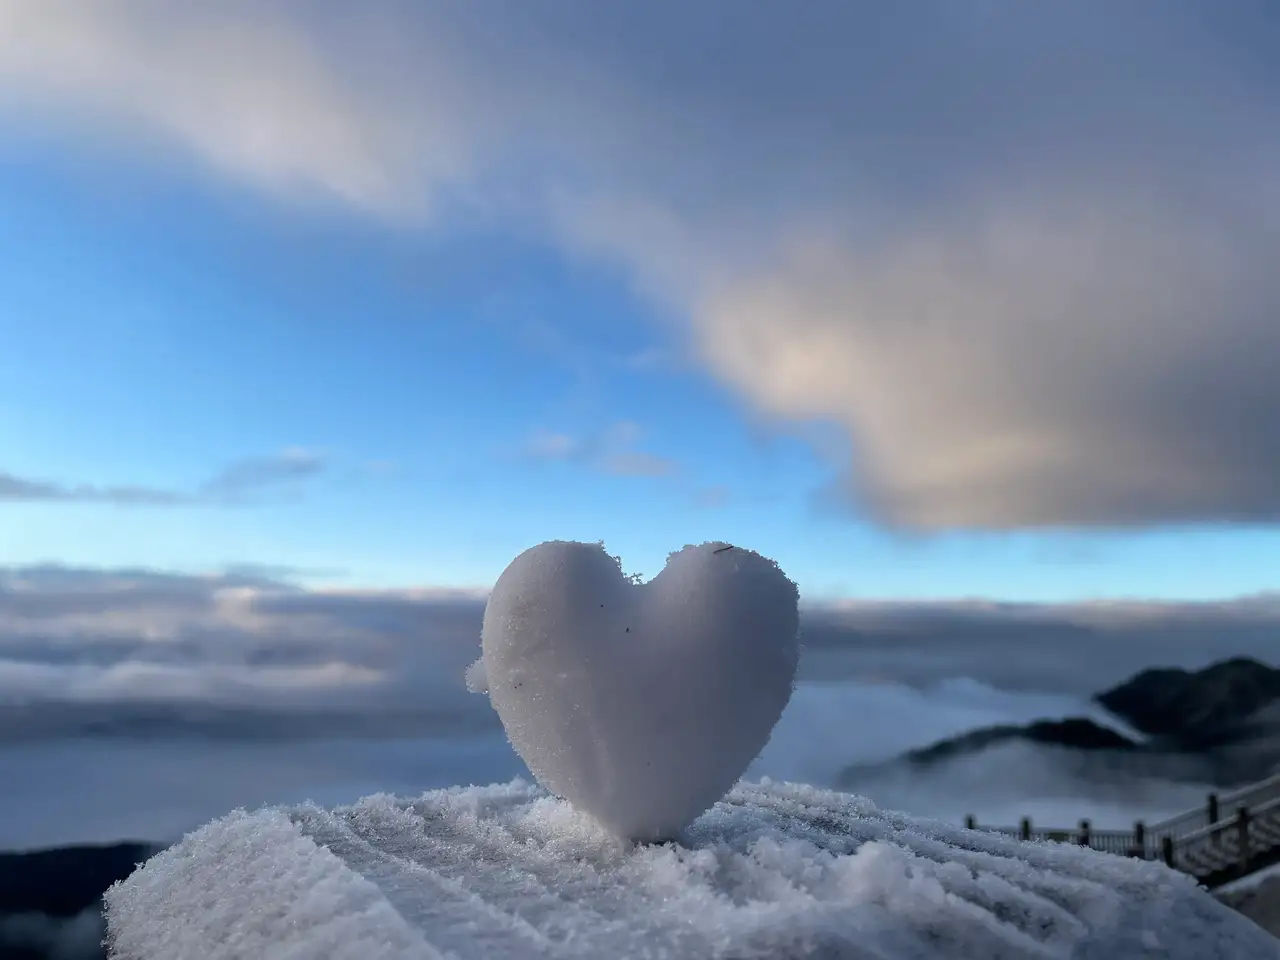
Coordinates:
[135,704]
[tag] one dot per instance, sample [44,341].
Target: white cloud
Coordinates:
[246,87]
[136,680]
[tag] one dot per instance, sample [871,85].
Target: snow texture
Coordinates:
[642,704]
[773,870]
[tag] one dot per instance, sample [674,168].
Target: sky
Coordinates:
[938,301]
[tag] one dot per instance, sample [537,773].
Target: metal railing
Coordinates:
[1232,834]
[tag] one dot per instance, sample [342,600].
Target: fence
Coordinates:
[1231,835]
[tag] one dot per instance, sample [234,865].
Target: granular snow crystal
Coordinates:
[772,870]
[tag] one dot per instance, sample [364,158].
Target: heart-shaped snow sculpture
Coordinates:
[641,704]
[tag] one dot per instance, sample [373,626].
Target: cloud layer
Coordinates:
[1019,253]
[234,483]
[175,698]
[124,653]
[260,657]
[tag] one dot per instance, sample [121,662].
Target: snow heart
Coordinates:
[641,704]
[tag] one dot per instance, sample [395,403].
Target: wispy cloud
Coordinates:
[655,360]
[280,573]
[551,445]
[253,473]
[637,463]
[13,488]
[712,497]
[380,468]
[234,483]
[612,450]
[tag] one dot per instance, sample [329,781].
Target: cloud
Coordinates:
[636,463]
[14,488]
[1078,648]
[232,484]
[549,445]
[239,684]
[77,937]
[180,697]
[252,92]
[1097,362]
[380,468]
[254,473]
[908,716]
[127,650]
[713,497]
[652,360]
[1018,254]
[100,639]
[278,572]
[611,450]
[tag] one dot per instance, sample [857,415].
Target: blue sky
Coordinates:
[300,356]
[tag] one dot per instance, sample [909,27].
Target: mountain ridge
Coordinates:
[1226,714]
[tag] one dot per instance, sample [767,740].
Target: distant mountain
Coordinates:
[1078,732]
[1216,706]
[1221,723]
[63,881]
[46,897]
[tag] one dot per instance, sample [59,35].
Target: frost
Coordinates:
[476,679]
[642,703]
[253,885]
[773,870]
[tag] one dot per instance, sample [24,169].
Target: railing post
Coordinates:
[1025,828]
[1213,808]
[1166,849]
[1242,825]
[1139,848]
[1084,833]
[970,822]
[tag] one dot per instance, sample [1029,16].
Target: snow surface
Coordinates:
[773,870]
[1255,879]
[641,703]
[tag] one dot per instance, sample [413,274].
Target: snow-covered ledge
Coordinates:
[773,870]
